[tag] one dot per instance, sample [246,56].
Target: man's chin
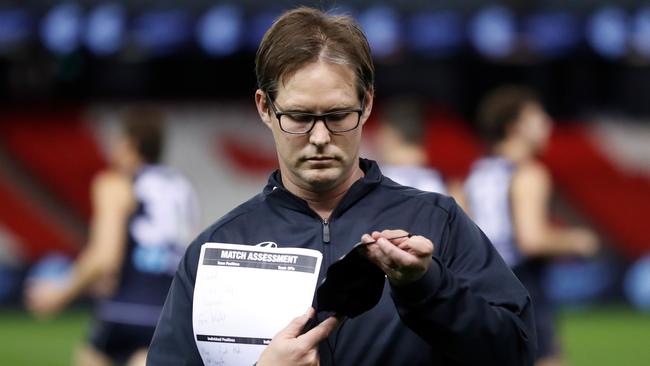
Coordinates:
[322,179]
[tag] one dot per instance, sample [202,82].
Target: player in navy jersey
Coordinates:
[508,194]
[143,217]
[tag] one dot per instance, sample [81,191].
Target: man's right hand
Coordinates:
[45,298]
[289,347]
[585,242]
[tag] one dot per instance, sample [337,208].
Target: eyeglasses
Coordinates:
[300,123]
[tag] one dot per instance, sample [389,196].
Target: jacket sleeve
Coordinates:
[469,303]
[173,341]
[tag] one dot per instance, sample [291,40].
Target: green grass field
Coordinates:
[591,337]
[25,341]
[610,336]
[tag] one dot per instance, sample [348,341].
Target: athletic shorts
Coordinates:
[546,338]
[119,341]
[544,310]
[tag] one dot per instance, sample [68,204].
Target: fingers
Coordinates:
[417,245]
[295,327]
[388,234]
[404,259]
[380,250]
[394,236]
[400,250]
[319,332]
[388,257]
[393,233]
[388,253]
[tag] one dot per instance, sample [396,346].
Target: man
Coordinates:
[451,303]
[400,140]
[402,154]
[508,194]
[143,214]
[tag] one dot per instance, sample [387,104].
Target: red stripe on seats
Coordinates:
[451,145]
[59,150]
[617,201]
[38,233]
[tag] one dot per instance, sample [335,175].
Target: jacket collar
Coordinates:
[371,179]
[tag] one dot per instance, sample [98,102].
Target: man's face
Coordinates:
[124,156]
[535,126]
[319,160]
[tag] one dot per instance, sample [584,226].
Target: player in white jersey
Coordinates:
[508,194]
[400,138]
[144,214]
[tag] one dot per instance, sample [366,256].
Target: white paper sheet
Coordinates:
[245,294]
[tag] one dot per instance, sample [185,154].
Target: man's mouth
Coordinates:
[320,158]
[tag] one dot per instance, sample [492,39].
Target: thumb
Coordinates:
[295,327]
[320,332]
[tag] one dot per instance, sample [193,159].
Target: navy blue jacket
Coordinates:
[468,309]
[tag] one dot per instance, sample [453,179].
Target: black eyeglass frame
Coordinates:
[317,116]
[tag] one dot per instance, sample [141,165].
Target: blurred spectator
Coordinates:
[508,194]
[143,217]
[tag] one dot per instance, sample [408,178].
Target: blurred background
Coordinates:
[68,68]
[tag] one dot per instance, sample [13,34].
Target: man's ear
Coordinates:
[515,128]
[261,102]
[370,97]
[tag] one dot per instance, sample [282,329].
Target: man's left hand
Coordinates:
[403,260]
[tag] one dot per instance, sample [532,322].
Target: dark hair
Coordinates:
[306,35]
[144,127]
[406,115]
[501,108]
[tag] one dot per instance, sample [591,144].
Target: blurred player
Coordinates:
[508,194]
[143,216]
[400,138]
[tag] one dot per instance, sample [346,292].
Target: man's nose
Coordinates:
[319,135]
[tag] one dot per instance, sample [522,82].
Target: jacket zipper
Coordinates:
[326,231]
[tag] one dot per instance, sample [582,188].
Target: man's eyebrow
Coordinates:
[341,109]
[297,110]
[336,108]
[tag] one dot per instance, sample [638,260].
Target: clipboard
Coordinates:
[245,294]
